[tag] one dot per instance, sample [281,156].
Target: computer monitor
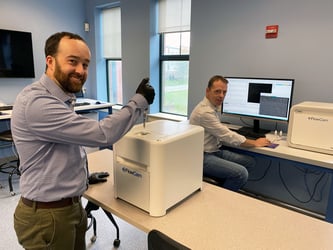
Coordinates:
[79,94]
[259,98]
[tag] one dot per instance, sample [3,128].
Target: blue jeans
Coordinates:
[228,167]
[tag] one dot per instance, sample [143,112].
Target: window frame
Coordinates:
[163,58]
[107,60]
[114,56]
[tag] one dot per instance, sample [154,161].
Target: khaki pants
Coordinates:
[53,229]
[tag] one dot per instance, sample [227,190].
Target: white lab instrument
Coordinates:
[310,127]
[158,166]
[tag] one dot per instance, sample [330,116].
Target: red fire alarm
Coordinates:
[272,31]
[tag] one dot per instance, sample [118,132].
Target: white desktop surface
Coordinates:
[93,104]
[216,218]
[7,114]
[284,151]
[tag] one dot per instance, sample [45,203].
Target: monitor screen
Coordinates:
[16,55]
[79,94]
[259,98]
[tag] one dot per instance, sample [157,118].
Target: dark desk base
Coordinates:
[91,207]
[295,185]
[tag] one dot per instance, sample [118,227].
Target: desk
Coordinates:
[93,105]
[294,154]
[285,152]
[6,114]
[296,178]
[84,110]
[216,218]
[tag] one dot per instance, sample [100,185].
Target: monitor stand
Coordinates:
[255,131]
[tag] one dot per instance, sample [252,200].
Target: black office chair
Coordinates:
[93,223]
[9,165]
[94,178]
[159,241]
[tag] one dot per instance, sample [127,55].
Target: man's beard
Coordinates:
[65,80]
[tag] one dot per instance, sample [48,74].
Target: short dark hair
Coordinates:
[52,43]
[216,78]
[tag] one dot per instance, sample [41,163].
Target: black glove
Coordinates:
[97,177]
[146,90]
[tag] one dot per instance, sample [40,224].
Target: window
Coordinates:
[174,29]
[111,33]
[114,81]
[174,72]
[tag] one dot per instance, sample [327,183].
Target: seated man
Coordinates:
[221,164]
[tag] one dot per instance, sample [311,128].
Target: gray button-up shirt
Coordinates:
[209,117]
[49,137]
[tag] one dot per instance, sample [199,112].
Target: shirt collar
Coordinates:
[55,90]
[207,102]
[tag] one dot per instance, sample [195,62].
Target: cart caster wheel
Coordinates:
[12,193]
[116,243]
[93,238]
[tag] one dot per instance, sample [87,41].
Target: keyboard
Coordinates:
[6,107]
[78,104]
[249,134]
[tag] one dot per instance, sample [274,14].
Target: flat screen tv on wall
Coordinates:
[16,54]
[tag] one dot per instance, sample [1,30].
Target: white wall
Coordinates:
[228,38]
[42,18]
[138,51]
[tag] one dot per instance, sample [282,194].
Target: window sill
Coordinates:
[157,116]
[164,116]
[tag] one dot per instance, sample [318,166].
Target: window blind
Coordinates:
[111,32]
[174,15]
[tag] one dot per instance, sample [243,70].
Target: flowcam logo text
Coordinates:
[131,172]
[318,119]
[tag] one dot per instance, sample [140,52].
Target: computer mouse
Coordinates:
[97,102]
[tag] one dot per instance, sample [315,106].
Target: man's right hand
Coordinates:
[146,90]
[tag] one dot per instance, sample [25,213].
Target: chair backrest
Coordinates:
[159,241]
